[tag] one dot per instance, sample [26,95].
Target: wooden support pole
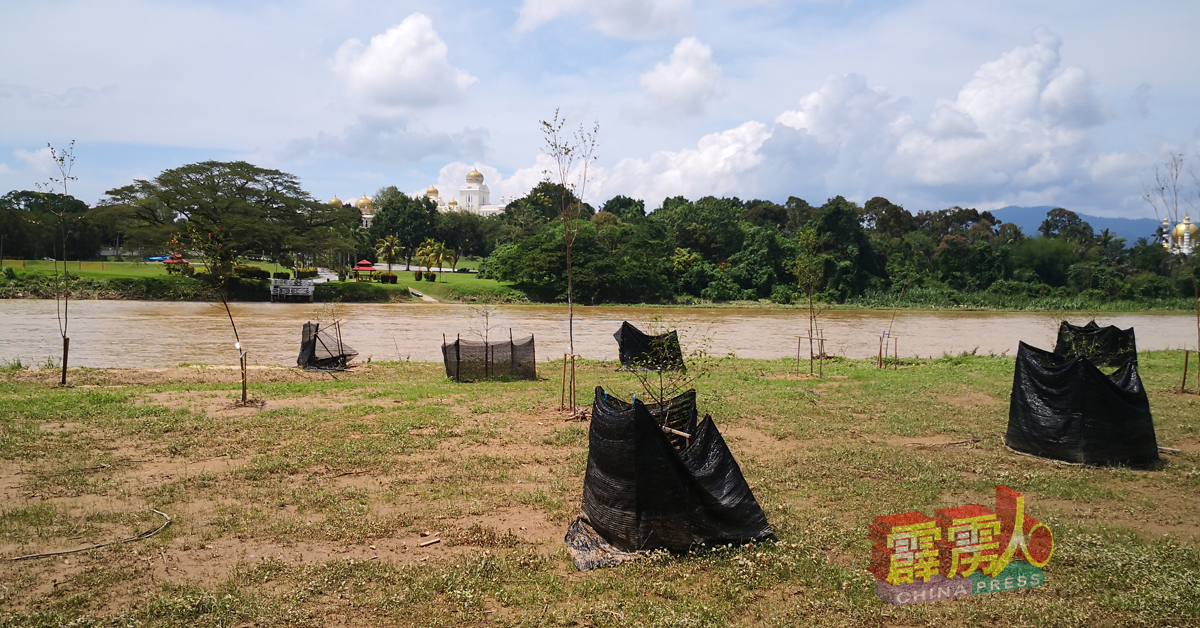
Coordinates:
[245,360]
[562,399]
[1183,385]
[66,353]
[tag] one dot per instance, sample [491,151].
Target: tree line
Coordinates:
[709,249]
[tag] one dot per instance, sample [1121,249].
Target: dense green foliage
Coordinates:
[711,250]
[725,249]
[32,231]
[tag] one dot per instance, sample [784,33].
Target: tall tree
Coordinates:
[257,210]
[411,219]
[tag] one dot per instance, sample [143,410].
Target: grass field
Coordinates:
[309,509]
[111,280]
[94,270]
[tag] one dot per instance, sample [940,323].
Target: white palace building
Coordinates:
[473,197]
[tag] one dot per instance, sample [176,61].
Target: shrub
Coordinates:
[430,276]
[352,292]
[251,272]
[462,270]
[10,273]
[188,270]
[306,273]
[388,278]
[417,275]
[282,275]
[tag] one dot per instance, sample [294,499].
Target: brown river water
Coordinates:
[148,334]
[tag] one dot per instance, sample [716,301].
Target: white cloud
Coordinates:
[40,160]
[1020,128]
[5,169]
[390,140]
[716,166]
[1107,165]
[1018,120]
[406,66]
[620,18]
[687,81]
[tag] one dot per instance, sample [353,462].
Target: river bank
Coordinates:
[393,495]
[461,287]
[467,288]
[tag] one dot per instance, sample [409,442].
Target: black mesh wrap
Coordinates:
[1107,346]
[644,352]
[323,348]
[1067,409]
[639,493]
[678,413]
[473,359]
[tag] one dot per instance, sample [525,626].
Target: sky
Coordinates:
[930,103]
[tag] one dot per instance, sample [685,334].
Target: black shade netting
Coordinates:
[678,413]
[473,360]
[1108,346]
[323,348]
[639,493]
[641,351]
[1067,409]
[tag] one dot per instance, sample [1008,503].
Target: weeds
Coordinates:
[304,512]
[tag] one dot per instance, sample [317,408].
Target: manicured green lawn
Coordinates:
[95,270]
[452,286]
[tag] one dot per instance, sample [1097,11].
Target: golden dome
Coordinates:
[474,176]
[1186,226]
[364,204]
[431,192]
[453,202]
[336,202]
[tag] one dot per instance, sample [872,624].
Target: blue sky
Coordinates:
[930,103]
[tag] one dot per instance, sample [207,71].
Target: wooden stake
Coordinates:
[66,353]
[245,359]
[1183,384]
[562,399]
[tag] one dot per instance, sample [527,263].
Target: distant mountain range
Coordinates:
[1030,218]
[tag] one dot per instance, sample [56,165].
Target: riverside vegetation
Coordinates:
[138,281]
[710,250]
[311,507]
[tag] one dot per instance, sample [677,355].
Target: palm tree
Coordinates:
[389,250]
[433,253]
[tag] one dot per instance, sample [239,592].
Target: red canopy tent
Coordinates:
[363,266]
[175,258]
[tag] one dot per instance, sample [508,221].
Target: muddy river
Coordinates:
[156,334]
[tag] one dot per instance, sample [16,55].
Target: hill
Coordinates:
[1030,218]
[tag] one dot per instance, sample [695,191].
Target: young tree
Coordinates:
[809,268]
[218,255]
[572,155]
[64,160]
